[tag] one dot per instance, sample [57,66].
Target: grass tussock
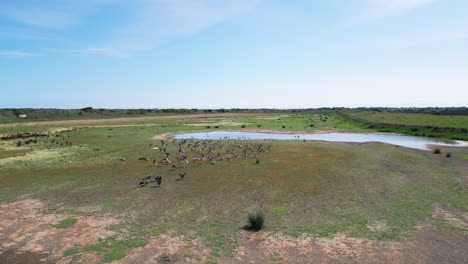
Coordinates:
[256,221]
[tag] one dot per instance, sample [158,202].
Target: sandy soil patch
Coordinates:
[454,216]
[131,119]
[26,226]
[171,249]
[224,123]
[26,234]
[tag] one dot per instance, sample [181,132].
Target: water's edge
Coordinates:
[393,139]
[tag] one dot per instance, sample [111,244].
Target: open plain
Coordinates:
[83,192]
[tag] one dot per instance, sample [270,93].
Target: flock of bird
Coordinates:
[179,154]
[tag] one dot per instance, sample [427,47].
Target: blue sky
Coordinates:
[233,53]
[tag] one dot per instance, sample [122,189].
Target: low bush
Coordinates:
[256,221]
[437,151]
[448,155]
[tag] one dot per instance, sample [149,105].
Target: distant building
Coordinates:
[23,116]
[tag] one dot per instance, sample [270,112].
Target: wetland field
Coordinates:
[124,190]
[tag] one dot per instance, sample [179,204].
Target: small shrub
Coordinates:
[448,155]
[311,125]
[141,158]
[437,151]
[256,221]
[283,126]
[216,126]
[259,125]
[243,126]
[257,161]
[208,126]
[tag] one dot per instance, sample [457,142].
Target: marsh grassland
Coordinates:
[73,196]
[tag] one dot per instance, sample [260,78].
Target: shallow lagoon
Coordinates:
[400,140]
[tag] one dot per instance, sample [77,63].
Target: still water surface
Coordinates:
[401,140]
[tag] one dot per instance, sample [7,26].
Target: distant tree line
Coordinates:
[12,114]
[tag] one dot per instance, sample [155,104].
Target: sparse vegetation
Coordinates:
[294,182]
[65,223]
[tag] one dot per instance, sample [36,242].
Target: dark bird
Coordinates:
[158,179]
[147,177]
[182,175]
[142,183]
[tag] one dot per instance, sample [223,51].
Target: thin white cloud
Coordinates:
[395,6]
[376,9]
[52,14]
[151,22]
[92,51]
[17,54]
[45,18]
[162,21]
[422,39]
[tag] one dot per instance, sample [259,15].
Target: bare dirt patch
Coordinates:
[454,216]
[26,227]
[340,249]
[131,119]
[170,249]
[26,236]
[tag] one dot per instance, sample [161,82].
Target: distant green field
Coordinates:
[410,119]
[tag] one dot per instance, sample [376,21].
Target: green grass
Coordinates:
[114,248]
[460,156]
[65,223]
[279,209]
[310,188]
[411,119]
[451,129]
[71,251]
